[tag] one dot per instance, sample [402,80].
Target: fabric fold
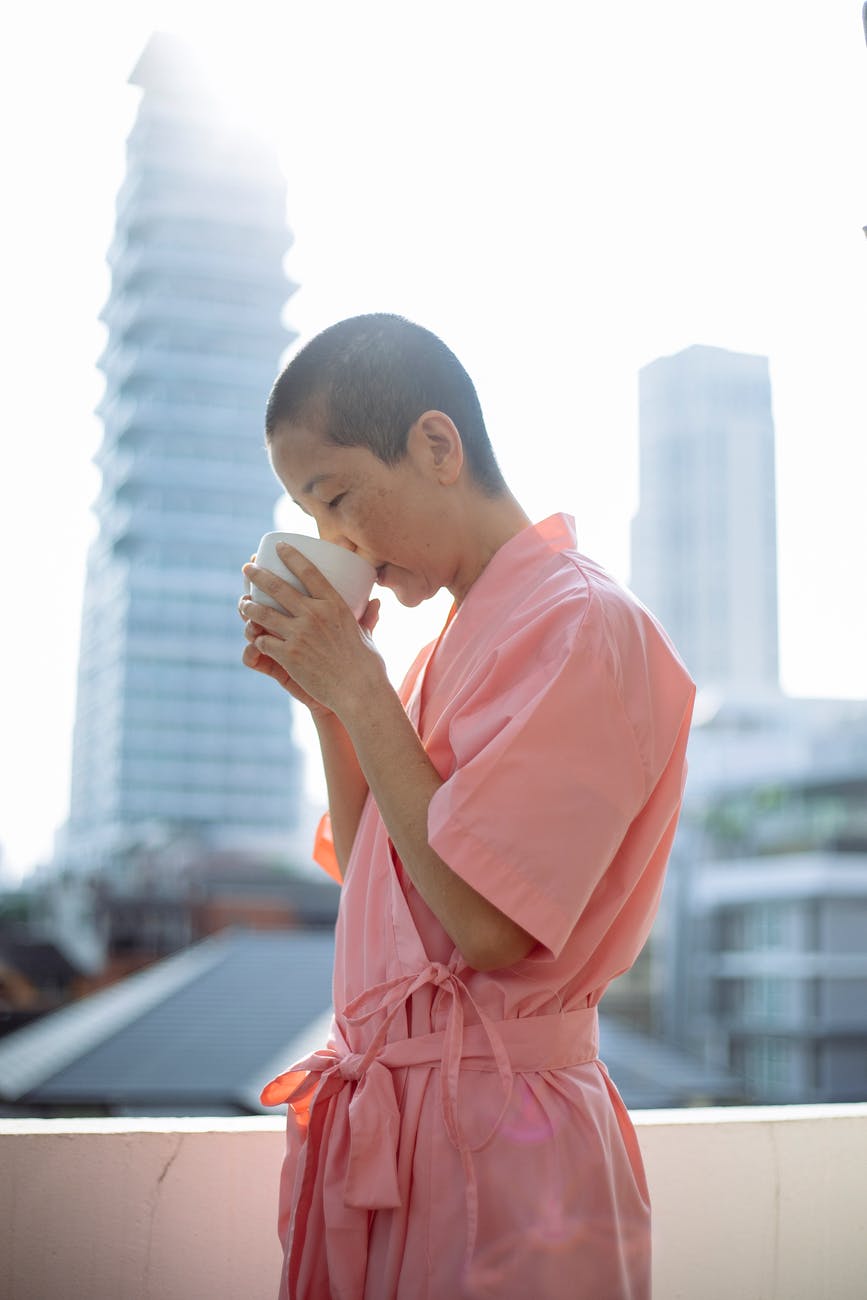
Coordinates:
[507,1047]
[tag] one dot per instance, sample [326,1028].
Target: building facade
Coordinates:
[704,538]
[175,742]
[759,952]
[766,942]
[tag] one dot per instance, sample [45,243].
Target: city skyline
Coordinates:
[629,189]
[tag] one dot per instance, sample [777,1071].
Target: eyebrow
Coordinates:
[314,482]
[308,488]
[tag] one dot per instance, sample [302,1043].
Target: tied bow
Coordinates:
[374,1118]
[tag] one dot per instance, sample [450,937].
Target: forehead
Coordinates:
[303,458]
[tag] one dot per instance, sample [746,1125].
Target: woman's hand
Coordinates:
[316,650]
[262,663]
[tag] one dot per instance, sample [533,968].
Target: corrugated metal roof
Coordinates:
[198,1030]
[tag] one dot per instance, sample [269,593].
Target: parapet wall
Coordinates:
[764,1203]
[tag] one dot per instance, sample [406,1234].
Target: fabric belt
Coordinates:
[528,1044]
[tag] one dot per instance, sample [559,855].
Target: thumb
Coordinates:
[370,617]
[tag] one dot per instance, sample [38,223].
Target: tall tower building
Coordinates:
[704,553]
[173,737]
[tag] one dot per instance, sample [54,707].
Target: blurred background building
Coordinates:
[758,961]
[177,750]
[704,540]
[765,955]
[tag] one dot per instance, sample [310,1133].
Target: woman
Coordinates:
[500,827]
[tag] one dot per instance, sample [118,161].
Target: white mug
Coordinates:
[348,573]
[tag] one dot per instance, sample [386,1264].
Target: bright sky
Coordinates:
[562,191]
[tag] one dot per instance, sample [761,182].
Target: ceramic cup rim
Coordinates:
[364,567]
[353,579]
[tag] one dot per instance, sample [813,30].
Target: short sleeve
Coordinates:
[547,778]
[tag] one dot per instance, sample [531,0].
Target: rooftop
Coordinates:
[196,1033]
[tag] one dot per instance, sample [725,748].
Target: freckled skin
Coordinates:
[389,514]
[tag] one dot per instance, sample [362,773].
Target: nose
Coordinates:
[334,535]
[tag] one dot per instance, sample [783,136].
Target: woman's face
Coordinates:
[390,514]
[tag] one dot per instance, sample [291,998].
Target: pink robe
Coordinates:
[458,1135]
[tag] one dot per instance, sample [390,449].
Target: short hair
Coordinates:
[366,380]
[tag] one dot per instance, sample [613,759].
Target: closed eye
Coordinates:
[335,501]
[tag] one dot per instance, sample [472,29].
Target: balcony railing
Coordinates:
[759,1203]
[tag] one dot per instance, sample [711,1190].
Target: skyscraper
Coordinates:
[172,735]
[704,539]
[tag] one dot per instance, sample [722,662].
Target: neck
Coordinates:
[493,521]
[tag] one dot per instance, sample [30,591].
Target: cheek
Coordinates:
[365,515]
[382,528]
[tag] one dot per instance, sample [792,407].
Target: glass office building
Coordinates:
[173,737]
[704,545]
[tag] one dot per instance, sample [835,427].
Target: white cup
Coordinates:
[348,573]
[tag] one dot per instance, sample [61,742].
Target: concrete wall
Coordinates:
[762,1203]
[758,1203]
[139,1209]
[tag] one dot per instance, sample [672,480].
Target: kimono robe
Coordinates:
[458,1136]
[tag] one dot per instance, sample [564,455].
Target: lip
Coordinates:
[380,572]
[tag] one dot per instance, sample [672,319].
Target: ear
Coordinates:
[435,445]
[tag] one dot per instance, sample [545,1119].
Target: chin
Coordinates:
[409,595]
[408,598]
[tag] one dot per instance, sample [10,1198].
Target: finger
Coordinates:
[270,645]
[241,599]
[370,617]
[261,663]
[252,630]
[283,592]
[274,620]
[314,579]
[245,607]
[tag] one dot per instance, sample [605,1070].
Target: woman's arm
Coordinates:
[403,781]
[345,781]
[325,655]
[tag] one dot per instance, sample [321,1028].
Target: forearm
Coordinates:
[403,781]
[329,662]
[346,784]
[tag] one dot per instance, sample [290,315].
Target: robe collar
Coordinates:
[511,571]
[515,566]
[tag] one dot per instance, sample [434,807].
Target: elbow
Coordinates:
[502,949]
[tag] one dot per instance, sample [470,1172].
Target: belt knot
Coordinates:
[373,1117]
[440,974]
[351,1066]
